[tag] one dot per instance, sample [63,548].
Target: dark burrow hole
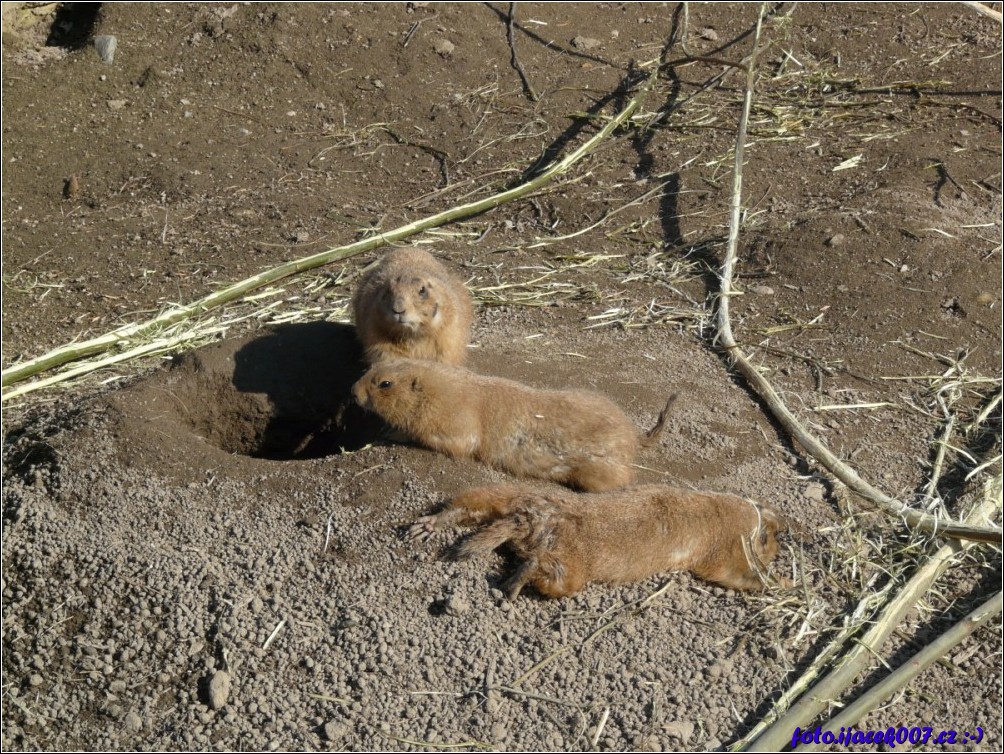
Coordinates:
[73,25]
[283,395]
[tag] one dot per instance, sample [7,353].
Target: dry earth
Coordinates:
[207,552]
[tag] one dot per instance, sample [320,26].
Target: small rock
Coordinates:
[117,104]
[815,491]
[499,732]
[836,239]
[35,680]
[762,290]
[712,744]
[117,687]
[301,236]
[444,48]
[333,731]
[71,190]
[585,43]
[133,722]
[456,605]
[708,33]
[680,729]
[985,299]
[219,689]
[106,44]
[647,743]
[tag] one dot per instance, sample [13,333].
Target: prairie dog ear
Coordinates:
[416,386]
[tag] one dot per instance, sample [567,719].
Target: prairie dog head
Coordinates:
[392,389]
[412,302]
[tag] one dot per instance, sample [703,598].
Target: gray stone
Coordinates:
[106,45]
[219,689]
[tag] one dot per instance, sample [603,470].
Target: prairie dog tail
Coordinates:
[650,437]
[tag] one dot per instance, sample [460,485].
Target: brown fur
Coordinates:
[573,437]
[565,540]
[410,306]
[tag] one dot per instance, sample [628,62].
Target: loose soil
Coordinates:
[207,551]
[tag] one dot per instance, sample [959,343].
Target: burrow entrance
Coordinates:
[285,394]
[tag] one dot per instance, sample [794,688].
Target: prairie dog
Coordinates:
[564,540]
[573,437]
[410,306]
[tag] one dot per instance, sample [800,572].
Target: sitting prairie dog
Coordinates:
[565,540]
[410,306]
[572,437]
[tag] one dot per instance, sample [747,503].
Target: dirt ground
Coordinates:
[204,549]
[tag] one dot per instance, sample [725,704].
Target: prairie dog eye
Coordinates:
[384,384]
[423,292]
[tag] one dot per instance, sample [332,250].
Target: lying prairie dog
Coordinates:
[411,306]
[564,540]
[572,437]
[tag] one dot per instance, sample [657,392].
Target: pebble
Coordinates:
[219,689]
[333,731]
[106,45]
[585,43]
[762,290]
[117,104]
[836,239]
[680,729]
[444,47]
[133,722]
[456,605]
[708,33]
[815,491]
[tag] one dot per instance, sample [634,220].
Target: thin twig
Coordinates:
[515,58]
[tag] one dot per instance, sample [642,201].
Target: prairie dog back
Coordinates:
[411,306]
[573,437]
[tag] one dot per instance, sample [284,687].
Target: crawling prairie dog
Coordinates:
[564,540]
[572,437]
[410,306]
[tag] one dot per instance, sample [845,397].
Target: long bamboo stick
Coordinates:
[910,669]
[126,333]
[853,663]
